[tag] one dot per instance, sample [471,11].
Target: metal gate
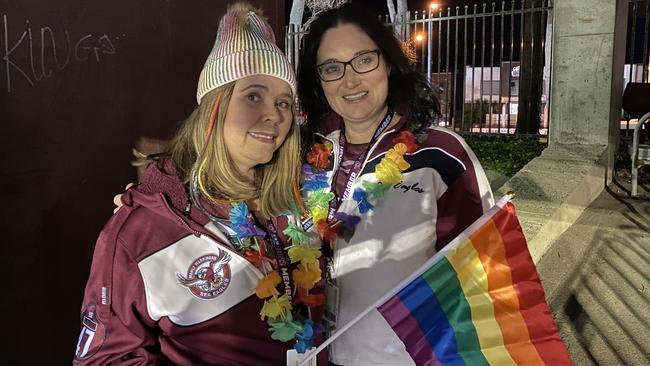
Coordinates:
[489,63]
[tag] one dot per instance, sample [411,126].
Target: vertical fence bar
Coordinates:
[631,75]
[413,41]
[481,91]
[429,43]
[462,121]
[491,64]
[424,43]
[529,115]
[630,62]
[473,66]
[532,60]
[540,86]
[413,24]
[549,16]
[447,86]
[512,56]
[439,70]
[455,94]
[646,30]
[521,58]
[419,46]
[503,15]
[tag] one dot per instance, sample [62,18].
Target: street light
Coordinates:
[419,37]
[434,6]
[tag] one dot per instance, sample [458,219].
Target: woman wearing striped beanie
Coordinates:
[193,268]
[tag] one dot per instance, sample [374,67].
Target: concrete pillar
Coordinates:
[588,53]
[587,76]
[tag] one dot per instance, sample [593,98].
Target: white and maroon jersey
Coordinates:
[442,192]
[165,289]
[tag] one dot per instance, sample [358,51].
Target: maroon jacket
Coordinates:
[165,288]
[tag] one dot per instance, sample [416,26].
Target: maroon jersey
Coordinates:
[164,288]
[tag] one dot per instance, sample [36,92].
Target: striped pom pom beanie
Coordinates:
[245,46]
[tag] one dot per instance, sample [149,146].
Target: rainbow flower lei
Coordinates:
[277,309]
[388,172]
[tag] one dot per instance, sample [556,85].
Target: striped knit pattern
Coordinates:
[243,48]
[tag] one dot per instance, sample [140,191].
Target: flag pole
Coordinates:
[460,238]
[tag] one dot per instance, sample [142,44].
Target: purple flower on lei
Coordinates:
[248,230]
[348,221]
[242,226]
[313,180]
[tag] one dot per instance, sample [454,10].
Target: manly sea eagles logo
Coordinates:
[208,276]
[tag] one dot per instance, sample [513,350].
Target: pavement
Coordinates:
[554,189]
[597,280]
[592,250]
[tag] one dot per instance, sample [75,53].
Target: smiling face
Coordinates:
[357,98]
[258,119]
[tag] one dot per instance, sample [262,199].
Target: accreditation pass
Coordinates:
[294,358]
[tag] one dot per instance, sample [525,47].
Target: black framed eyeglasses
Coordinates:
[361,64]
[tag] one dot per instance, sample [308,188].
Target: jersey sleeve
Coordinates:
[114,329]
[465,198]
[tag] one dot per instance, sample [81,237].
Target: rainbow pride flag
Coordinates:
[479,301]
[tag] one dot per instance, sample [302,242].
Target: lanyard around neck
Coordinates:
[280,255]
[281,258]
[358,163]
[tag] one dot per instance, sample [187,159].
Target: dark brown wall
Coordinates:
[69,115]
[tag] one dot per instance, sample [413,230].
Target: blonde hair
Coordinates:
[221,180]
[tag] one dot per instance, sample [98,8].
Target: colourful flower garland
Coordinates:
[315,186]
[277,309]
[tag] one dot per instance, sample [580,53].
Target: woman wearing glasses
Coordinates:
[402,188]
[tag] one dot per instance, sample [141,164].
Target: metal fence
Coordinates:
[637,55]
[489,63]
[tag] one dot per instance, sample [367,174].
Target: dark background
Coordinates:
[380,7]
[69,116]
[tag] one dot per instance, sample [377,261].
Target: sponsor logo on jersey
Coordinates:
[208,276]
[92,334]
[415,187]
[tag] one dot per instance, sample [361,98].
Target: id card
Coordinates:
[331,303]
[331,308]
[294,358]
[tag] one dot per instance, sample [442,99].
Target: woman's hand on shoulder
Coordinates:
[117,200]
